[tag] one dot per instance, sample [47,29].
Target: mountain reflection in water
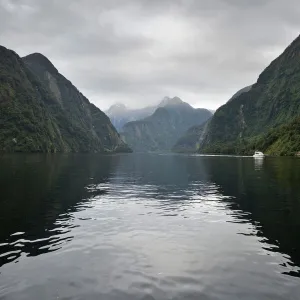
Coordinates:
[149,226]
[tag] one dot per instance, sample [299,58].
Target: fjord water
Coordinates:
[149,226]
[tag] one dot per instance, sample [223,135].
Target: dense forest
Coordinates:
[41,111]
[263,118]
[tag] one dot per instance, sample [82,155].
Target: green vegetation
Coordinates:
[253,119]
[190,141]
[283,140]
[41,111]
[161,130]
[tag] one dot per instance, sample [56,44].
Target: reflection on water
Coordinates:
[258,162]
[38,195]
[149,227]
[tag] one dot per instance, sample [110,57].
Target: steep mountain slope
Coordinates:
[240,92]
[41,111]
[161,130]
[191,140]
[273,100]
[194,136]
[282,140]
[119,114]
[25,123]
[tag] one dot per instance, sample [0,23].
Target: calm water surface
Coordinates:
[149,226]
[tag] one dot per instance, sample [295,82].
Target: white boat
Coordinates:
[258,154]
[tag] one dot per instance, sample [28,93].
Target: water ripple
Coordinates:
[129,236]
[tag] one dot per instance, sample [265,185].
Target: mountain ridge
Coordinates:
[191,140]
[120,115]
[160,131]
[41,111]
[272,101]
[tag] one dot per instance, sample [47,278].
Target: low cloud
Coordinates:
[138,51]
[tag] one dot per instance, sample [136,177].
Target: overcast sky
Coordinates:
[138,51]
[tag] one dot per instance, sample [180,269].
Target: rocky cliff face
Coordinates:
[161,130]
[272,101]
[41,111]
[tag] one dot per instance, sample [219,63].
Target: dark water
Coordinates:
[149,227]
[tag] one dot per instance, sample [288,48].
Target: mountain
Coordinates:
[194,136]
[273,101]
[119,114]
[191,140]
[162,129]
[173,102]
[41,111]
[240,92]
[282,140]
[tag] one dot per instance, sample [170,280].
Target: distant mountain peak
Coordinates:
[161,130]
[117,108]
[170,101]
[118,105]
[42,61]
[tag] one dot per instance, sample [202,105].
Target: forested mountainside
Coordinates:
[240,92]
[41,111]
[274,100]
[282,140]
[161,130]
[191,140]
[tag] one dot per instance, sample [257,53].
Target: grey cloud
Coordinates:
[137,51]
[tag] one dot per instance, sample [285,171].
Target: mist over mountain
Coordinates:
[119,114]
[42,111]
[192,139]
[161,130]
